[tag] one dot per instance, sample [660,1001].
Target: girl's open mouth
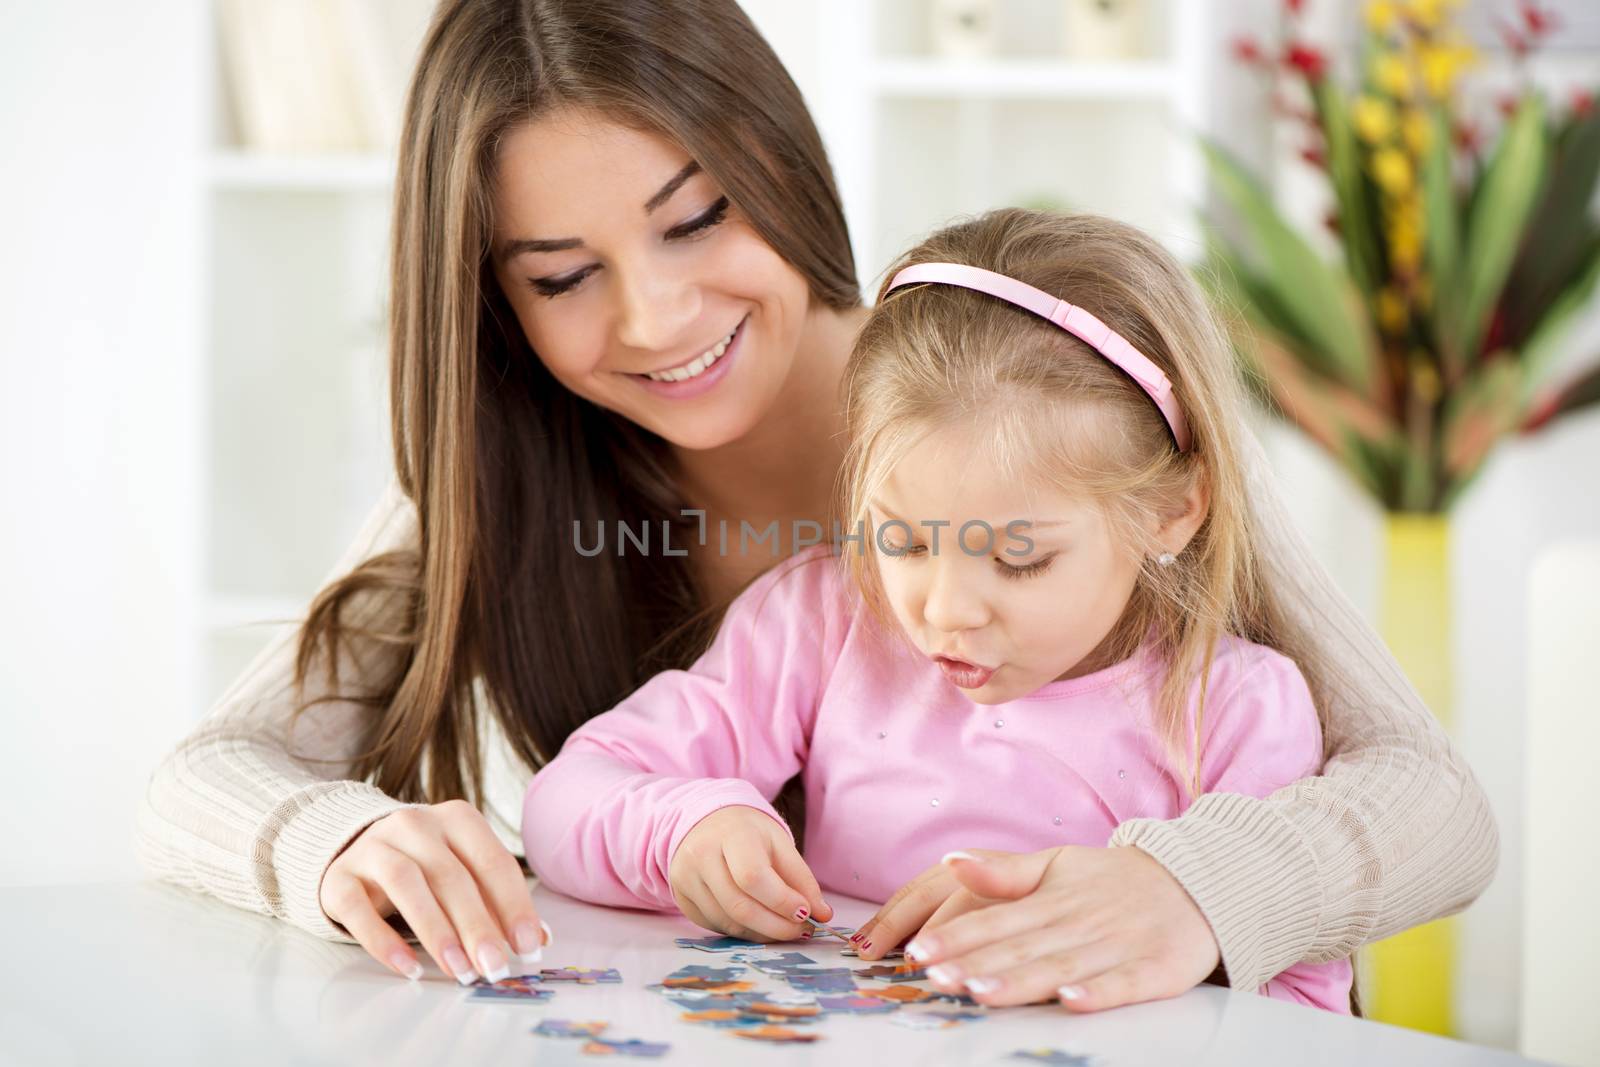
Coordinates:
[964,675]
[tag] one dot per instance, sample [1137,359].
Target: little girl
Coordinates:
[1046,623]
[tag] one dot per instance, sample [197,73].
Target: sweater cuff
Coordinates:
[1250,873]
[303,835]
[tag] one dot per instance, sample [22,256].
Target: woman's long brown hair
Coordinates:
[495,608]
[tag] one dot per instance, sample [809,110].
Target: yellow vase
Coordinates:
[1407,979]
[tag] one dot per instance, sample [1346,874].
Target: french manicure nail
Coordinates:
[406,964]
[549,935]
[525,939]
[981,986]
[493,963]
[948,856]
[456,960]
[1070,992]
[918,951]
[943,974]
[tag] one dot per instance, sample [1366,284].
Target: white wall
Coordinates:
[99,119]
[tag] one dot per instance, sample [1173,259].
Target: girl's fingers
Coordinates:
[794,871]
[715,917]
[346,902]
[751,870]
[905,913]
[744,911]
[1133,982]
[500,879]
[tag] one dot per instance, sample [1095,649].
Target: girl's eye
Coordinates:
[1026,570]
[711,216]
[902,550]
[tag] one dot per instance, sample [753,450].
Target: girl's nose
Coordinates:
[657,310]
[951,605]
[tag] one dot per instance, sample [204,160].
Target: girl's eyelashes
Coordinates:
[1025,570]
[706,220]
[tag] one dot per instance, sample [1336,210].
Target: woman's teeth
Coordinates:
[698,366]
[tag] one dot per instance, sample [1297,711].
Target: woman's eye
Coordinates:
[703,221]
[565,283]
[562,284]
[1025,570]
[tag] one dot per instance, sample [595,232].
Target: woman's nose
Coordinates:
[951,605]
[657,310]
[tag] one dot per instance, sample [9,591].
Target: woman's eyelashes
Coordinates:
[693,228]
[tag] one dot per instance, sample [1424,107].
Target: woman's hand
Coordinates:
[448,876]
[933,897]
[738,873]
[1094,927]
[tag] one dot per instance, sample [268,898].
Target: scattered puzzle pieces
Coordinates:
[779,1034]
[717,944]
[904,994]
[830,980]
[891,972]
[1051,1055]
[857,1005]
[632,1047]
[841,932]
[568,1028]
[579,975]
[527,988]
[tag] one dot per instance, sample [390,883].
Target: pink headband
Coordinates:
[1074,320]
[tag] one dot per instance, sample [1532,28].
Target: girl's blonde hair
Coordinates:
[1055,412]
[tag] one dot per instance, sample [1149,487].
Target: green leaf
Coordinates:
[1442,245]
[1562,233]
[1349,187]
[1316,298]
[1500,214]
[1544,343]
[1577,394]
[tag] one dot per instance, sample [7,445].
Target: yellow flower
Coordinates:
[1373,118]
[1424,379]
[1442,64]
[1381,16]
[1392,74]
[1428,13]
[1392,316]
[1405,245]
[1392,171]
[1417,130]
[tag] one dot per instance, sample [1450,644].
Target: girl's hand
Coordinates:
[448,876]
[738,873]
[1094,927]
[935,896]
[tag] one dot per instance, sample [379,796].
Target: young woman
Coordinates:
[622,289]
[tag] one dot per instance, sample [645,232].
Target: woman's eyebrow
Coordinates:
[512,249]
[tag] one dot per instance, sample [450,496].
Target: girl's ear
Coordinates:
[1179,526]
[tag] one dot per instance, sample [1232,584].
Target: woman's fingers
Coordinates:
[905,912]
[986,926]
[500,878]
[1021,969]
[1133,982]
[955,905]
[345,901]
[458,894]
[408,889]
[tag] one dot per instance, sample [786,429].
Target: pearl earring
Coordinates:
[1166,559]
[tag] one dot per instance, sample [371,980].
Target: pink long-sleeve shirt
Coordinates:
[899,766]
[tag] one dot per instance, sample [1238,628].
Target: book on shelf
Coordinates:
[318,76]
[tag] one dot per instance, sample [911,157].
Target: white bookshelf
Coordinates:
[1013,123]
[294,399]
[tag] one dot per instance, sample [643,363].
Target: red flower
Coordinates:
[1582,103]
[1508,103]
[1515,42]
[1468,137]
[1246,50]
[1315,156]
[1307,60]
[1538,20]
[1295,7]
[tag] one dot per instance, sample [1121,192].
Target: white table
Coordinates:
[139,972]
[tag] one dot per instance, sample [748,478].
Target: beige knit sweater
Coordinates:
[1394,833]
